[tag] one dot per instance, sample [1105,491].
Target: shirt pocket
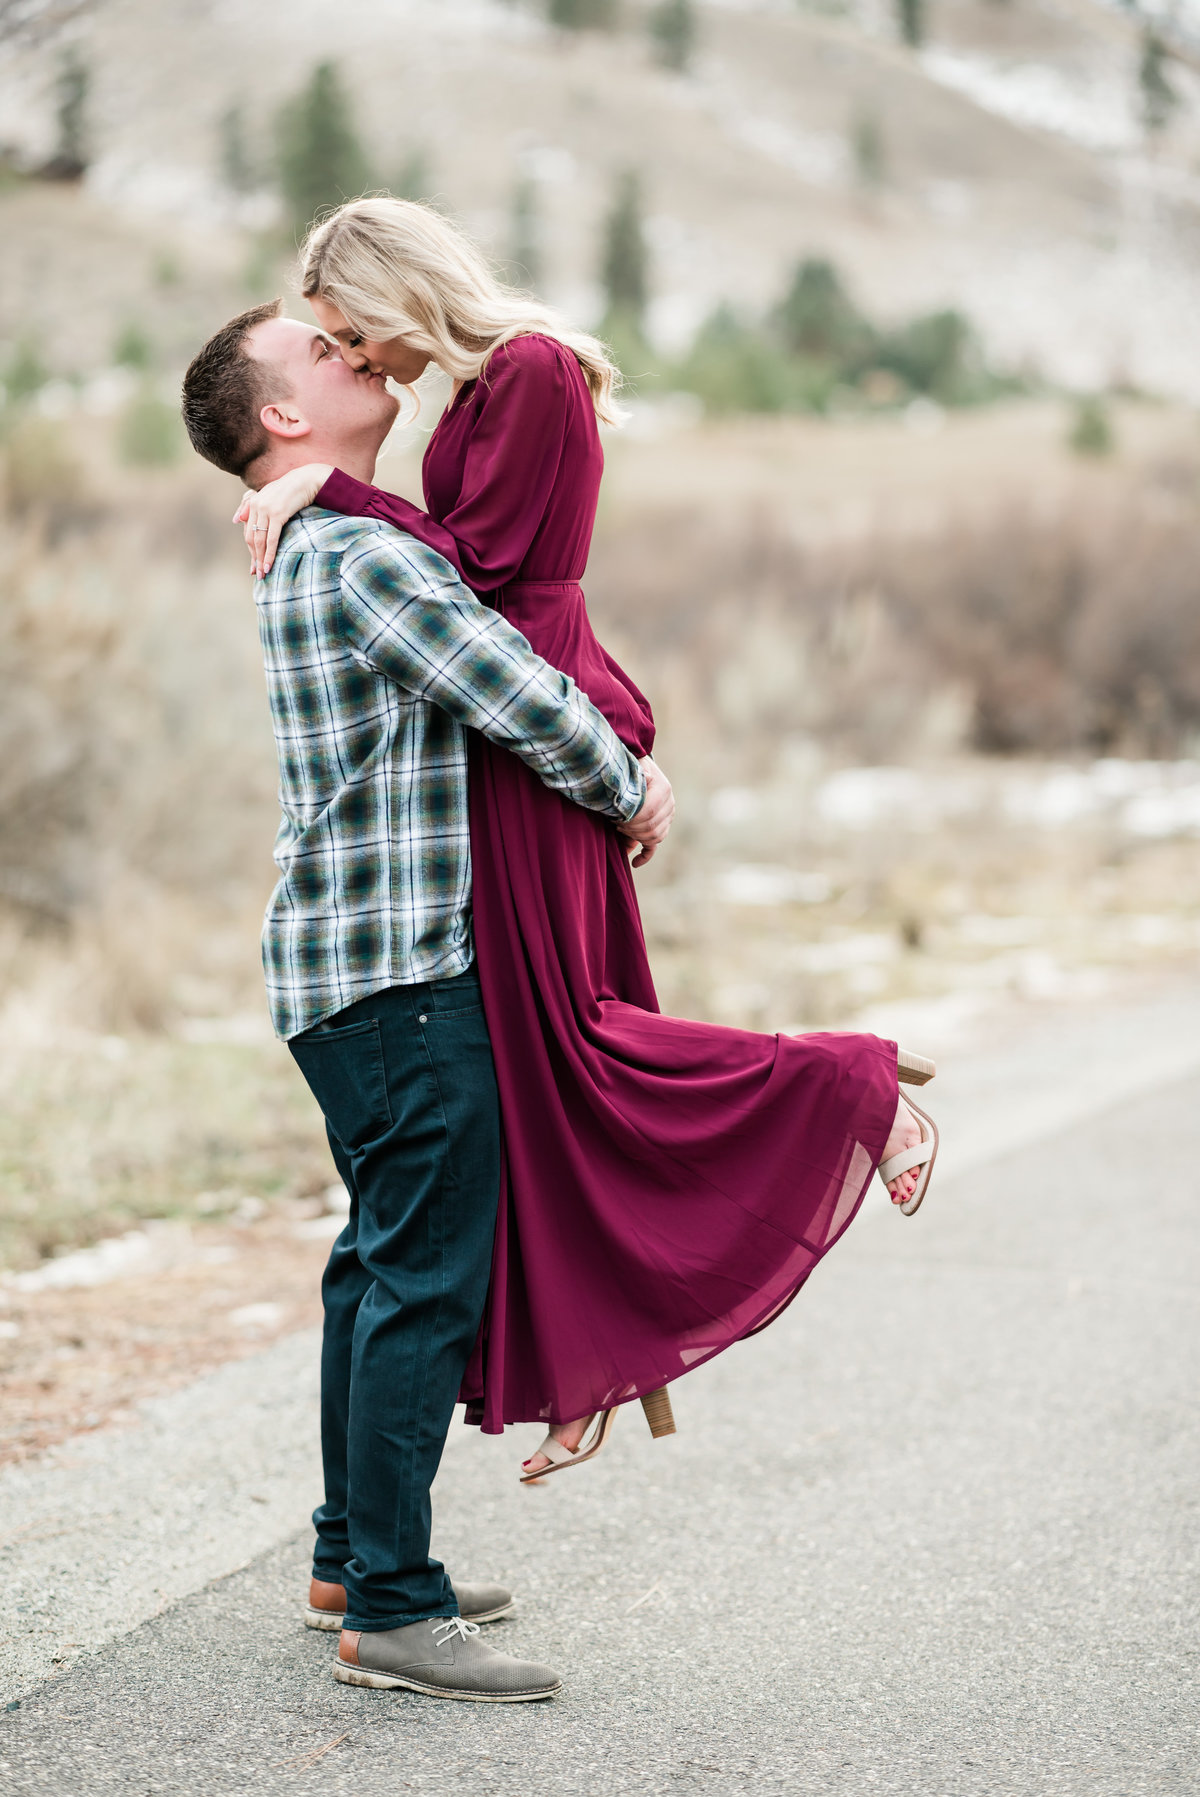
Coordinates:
[347,1075]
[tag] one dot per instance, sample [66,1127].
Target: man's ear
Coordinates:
[283,419]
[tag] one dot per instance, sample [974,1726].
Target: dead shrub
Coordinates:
[1044,634]
[135,748]
[42,481]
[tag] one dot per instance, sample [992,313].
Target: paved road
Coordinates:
[934,1533]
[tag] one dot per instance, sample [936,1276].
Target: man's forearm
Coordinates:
[442,645]
[580,755]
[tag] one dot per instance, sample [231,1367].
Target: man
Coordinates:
[377,660]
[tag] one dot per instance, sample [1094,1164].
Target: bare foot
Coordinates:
[570,1434]
[906,1133]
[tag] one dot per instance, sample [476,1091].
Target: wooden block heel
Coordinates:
[914,1069]
[659,1415]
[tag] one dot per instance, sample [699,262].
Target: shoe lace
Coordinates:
[453,1625]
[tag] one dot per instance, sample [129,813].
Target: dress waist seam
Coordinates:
[519,587]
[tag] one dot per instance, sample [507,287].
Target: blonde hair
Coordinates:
[397,268]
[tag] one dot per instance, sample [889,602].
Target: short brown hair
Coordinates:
[225,389]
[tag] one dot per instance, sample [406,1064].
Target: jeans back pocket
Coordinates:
[347,1075]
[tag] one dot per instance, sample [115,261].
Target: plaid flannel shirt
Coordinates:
[377,660]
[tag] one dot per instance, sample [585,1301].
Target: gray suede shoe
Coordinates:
[476,1603]
[442,1657]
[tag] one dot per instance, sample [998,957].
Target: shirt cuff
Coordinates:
[634,804]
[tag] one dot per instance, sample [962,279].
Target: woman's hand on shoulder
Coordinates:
[263,515]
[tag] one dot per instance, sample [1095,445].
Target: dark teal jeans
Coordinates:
[406,1083]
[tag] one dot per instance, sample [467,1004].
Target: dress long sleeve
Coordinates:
[523,409]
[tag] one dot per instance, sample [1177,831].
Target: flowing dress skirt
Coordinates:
[669,1185]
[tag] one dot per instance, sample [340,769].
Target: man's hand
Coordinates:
[650,825]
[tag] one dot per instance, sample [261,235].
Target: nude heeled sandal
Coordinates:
[659,1415]
[914,1070]
[922,1154]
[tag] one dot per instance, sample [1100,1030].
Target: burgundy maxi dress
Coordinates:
[668,1185]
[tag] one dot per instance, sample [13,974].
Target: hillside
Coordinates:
[1016,181]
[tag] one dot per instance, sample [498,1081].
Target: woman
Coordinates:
[669,1185]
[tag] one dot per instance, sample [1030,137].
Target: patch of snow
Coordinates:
[257,1316]
[242,1029]
[761,883]
[1147,798]
[1063,796]
[818,157]
[146,1250]
[846,953]
[651,417]
[325,1228]
[734,805]
[998,932]
[57,399]
[943,1022]
[1094,111]
[549,164]
[951,201]
[1167,813]
[1143,798]
[107,392]
[924,417]
[176,190]
[318,1229]
[858,798]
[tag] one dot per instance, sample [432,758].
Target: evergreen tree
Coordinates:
[321,161]
[935,353]
[237,165]
[1159,98]
[912,22]
[583,15]
[870,153]
[818,319]
[673,28]
[1091,431]
[70,159]
[526,254]
[624,268]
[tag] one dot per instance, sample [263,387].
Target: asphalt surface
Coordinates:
[933,1533]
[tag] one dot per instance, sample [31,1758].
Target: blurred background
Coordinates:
[902,534]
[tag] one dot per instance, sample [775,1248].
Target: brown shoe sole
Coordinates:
[394,1681]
